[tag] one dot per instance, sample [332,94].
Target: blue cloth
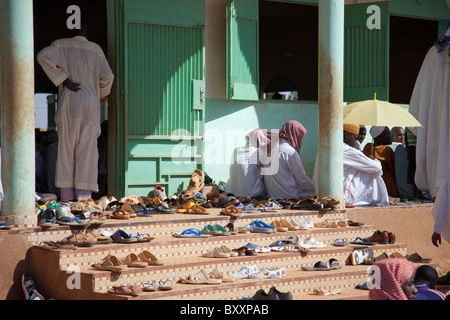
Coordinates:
[425,293]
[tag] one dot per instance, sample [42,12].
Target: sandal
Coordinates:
[200,278]
[277,224]
[120,236]
[216,274]
[196,209]
[310,242]
[324,266]
[231,211]
[328,202]
[165,285]
[110,263]
[362,241]
[149,286]
[125,290]
[290,226]
[415,257]
[209,229]
[132,260]
[143,237]
[341,242]
[303,224]
[78,239]
[215,253]
[245,272]
[191,233]
[148,257]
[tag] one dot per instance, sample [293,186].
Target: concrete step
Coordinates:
[98,282]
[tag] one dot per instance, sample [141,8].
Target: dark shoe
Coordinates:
[262,295]
[380,237]
[391,237]
[158,208]
[307,204]
[281,295]
[444,279]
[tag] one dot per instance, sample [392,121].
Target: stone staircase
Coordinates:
[67,274]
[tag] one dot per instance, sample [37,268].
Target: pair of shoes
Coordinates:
[162,285]
[220,252]
[272,294]
[382,237]
[127,290]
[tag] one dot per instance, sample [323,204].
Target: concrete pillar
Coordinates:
[17,117]
[331,79]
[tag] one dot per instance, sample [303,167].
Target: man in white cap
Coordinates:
[363,184]
[380,150]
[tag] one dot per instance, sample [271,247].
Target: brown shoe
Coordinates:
[391,237]
[380,237]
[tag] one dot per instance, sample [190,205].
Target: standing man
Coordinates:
[80,69]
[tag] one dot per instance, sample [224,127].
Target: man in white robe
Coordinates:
[245,173]
[441,215]
[363,184]
[80,69]
[287,178]
[430,105]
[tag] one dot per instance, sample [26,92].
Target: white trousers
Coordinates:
[77,162]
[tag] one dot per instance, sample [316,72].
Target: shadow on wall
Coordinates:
[227,123]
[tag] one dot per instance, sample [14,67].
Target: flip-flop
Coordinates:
[324,266]
[191,233]
[165,285]
[125,290]
[362,241]
[341,242]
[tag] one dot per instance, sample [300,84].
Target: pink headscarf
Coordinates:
[393,273]
[261,138]
[264,140]
[294,132]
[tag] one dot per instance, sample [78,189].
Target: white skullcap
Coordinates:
[376,131]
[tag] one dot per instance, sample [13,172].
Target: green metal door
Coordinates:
[243,49]
[163,93]
[366,51]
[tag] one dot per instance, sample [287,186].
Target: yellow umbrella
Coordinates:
[378,113]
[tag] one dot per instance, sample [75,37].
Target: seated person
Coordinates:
[245,171]
[380,150]
[363,184]
[361,137]
[397,137]
[425,280]
[287,178]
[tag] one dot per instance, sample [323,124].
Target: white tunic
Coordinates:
[245,173]
[363,184]
[430,105]
[78,113]
[288,179]
[441,213]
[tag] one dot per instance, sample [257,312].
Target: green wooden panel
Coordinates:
[366,54]
[242,49]
[163,66]
[162,61]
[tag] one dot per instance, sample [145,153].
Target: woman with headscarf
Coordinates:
[393,280]
[285,176]
[380,150]
[245,171]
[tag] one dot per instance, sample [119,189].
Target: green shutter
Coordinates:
[163,93]
[366,54]
[242,49]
